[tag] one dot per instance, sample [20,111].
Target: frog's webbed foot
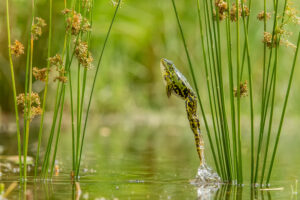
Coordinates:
[205,175]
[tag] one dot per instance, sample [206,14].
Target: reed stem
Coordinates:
[283,112]
[14,88]
[93,86]
[45,90]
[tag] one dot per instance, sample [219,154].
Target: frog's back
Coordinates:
[182,87]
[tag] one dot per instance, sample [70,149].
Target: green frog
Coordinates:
[177,84]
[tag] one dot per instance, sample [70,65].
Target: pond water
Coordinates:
[144,162]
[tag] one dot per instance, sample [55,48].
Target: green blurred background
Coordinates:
[130,95]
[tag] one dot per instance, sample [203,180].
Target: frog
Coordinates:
[178,85]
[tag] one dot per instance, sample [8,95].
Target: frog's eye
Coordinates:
[169,63]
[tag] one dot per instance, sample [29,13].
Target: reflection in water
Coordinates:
[132,164]
[228,192]
[205,192]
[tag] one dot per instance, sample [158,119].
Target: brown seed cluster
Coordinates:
[83,55]
[261,16]
[65,11]
[56,61]
[77,23]
[222,9]
[17,48]
[35,104]
[271,43]
[241,11]
[62,75]
[243,90]
[40,74]
[281,34]
[36,29]
[291,14]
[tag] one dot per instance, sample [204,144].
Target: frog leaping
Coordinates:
[177,84]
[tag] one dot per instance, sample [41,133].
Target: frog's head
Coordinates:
[167,69]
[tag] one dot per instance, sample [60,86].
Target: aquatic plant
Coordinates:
[220,16]
[76,45]
[79,22]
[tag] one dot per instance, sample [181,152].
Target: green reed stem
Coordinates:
[240,175]
[28,111]
[49,145]
[224,117]
[73,122]
[263,84]
[265,103]
[72,109]
[250,87]
[26,88]
[232,100]
[78,112]
[247,28]
[58,130]
[220,156]
[271,118]
[273,96]
[215,69]
[71,96]
[28,105]
[93,87]
[81,100]
[59,102]
[14,88]
[196,86]
[85,70]
[283,111]
[45,90]
[216,98]
[215,83]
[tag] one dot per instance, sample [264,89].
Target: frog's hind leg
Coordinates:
[194,121]
[191,108]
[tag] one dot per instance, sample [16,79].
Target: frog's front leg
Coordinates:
[169,89]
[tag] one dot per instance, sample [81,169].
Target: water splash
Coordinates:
[205,175]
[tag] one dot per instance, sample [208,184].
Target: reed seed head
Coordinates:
[77,23]
[271,43]
[243,89]
[261,16]
[56,61]
[40,74]
[17,49]
[35,104]
[291,13]
[83,55]
[36,29]
[62,75]
[65,11]
[222,8]
[74,23]
[241,11]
